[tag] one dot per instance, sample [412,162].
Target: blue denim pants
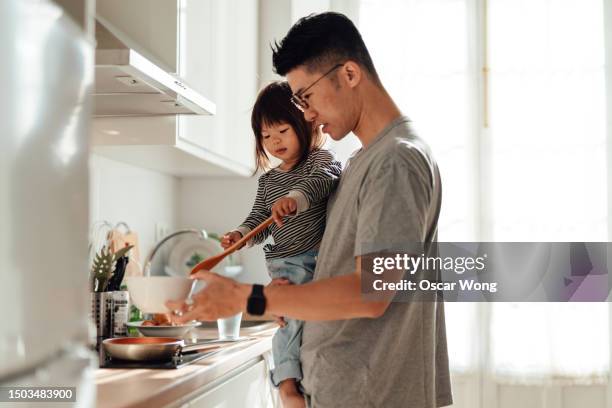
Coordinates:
[287,340]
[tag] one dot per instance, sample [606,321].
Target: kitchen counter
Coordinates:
[195,382]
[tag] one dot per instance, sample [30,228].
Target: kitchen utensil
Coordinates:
[150,293]
[175,362]
[115,281]
[134,267]
[164,331]
[159,348]
[120,236]
[102,270]
[211,262]
[103,267]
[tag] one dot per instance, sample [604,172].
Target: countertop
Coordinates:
[154,387]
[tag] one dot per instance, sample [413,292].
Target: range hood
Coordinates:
[128,82]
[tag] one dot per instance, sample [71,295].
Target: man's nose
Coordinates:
[310,115]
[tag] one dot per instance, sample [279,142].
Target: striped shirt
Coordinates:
[310,183]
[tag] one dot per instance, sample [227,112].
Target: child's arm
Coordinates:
[259,213]
[323,174]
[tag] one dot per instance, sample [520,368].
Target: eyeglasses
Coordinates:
[300,102]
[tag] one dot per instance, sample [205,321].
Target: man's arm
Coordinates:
[334,298]
[326,299]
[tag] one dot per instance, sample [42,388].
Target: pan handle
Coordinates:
[214,345]
[199,349]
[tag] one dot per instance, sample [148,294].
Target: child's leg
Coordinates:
[287,340]
[290,394]
[286,352]
[288,371]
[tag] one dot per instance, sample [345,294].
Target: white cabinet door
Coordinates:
[219,54]
[250,389]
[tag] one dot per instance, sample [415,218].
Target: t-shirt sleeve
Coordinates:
[392,209]
[323,172]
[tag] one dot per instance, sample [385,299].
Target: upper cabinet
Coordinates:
[229,34]
[212,46]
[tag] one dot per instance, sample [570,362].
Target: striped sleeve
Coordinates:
[259,213]
[322,174]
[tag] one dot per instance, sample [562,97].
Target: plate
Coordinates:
[164,331]
[189,251]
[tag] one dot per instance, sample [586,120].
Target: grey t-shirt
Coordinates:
[389,194]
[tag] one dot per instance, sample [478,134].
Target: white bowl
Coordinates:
[150,293]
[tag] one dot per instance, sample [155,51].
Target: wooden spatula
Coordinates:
[211,262]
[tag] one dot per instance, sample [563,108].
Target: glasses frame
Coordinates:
[300,102]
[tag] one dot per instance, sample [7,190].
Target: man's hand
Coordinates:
[221,297]
[230,238]
[280,320]
[282,207]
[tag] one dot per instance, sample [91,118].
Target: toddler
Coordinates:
[296,191]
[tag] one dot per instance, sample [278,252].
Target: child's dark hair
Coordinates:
[318,42]
[272,107]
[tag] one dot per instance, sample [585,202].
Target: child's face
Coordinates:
[280,141]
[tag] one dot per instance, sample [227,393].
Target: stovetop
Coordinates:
[179,360]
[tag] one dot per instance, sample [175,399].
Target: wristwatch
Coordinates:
[256,304]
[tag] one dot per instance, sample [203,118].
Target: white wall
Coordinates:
[139,197]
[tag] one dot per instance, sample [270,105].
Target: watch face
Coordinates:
[256,305]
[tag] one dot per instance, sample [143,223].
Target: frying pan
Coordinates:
[156,348]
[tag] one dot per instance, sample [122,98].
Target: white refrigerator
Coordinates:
[46,75]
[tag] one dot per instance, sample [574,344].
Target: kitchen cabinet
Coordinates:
[248,388]
[212,46]
[157,143]
[232,26]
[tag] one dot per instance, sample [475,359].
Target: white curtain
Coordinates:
[538,173]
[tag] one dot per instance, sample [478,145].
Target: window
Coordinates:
[537,172]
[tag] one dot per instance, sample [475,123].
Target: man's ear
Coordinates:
[352,73]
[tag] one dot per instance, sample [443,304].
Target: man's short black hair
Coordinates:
[319,41]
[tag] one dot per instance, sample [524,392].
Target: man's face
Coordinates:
[329,104]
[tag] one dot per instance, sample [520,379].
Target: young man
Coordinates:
[354,353]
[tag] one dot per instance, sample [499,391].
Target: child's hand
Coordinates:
[280,320]
[230,238]
[283,206]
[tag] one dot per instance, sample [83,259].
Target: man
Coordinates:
[354,353]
